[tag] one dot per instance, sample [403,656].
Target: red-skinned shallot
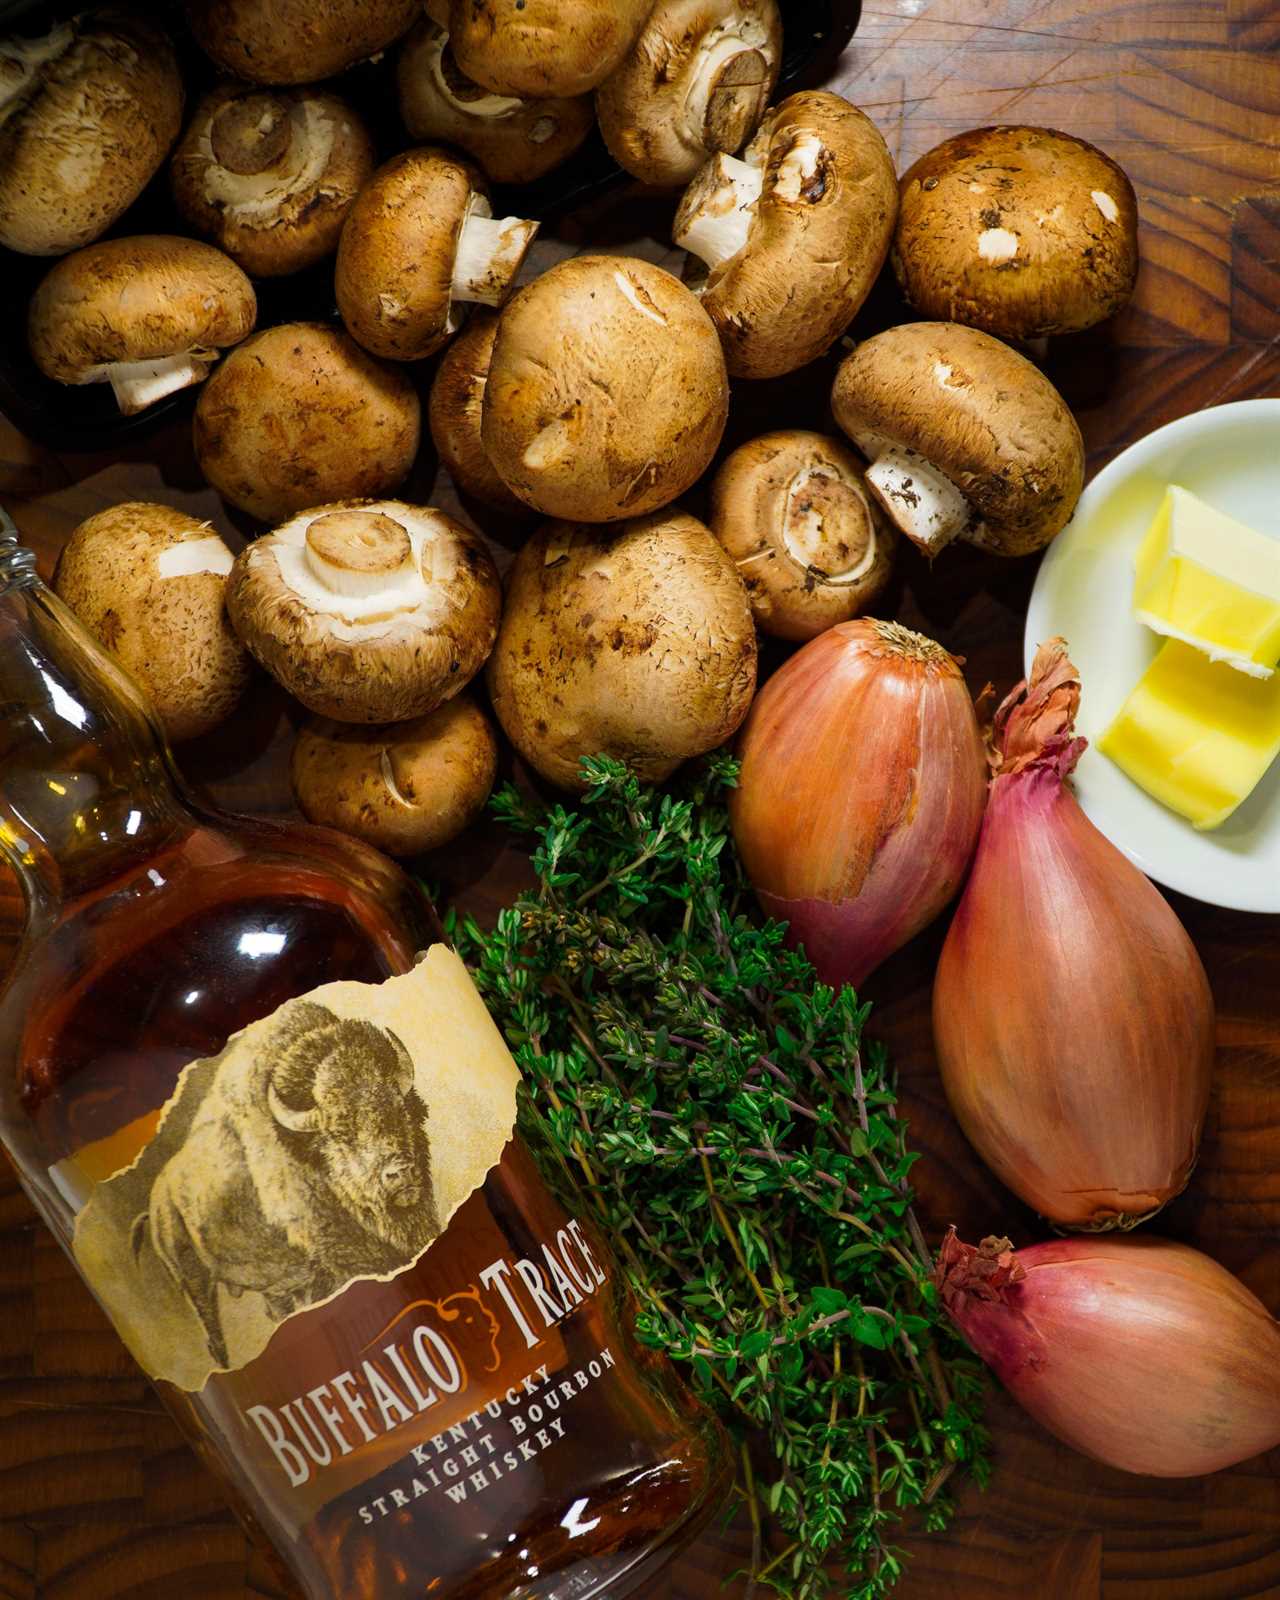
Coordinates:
[1141,1353]
[861,793]
[1072,1017]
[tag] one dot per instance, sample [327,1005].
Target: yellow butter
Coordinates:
[1204,578]
[1195,734]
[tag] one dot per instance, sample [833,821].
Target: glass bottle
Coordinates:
[442,1429]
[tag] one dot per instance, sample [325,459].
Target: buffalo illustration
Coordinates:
[306,1165]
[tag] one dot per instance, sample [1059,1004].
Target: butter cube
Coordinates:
[1195,734]
[1210,581]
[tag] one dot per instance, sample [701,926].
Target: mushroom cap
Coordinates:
[543,48]
[149,582]
[634,641]
[818,237]
[87,114]
[658,121]
[137,299]
[607,393]
[1020,231]
[296,41]
[981,414]
[269,175]
[299,415]
[809,541]
[454,411]
[416,626]
[403,787]
[510,139]
[394,274]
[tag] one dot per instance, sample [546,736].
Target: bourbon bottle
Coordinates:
[263,1108]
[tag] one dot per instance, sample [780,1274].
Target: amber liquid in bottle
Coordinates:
[548,1455]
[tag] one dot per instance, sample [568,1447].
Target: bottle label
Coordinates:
[325,1145]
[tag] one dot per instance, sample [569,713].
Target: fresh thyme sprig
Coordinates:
[743,1152]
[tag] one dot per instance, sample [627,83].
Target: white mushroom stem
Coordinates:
[489,254]
[356,554]
[918,499]
[812,496]
[714,218]
[139,384]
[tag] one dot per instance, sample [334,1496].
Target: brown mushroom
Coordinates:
[149,582]
[542,49]
[633,641]
[511,140]
[967,438]
[420,242]
[296,41]
[299,415]
[149,315]
[403,787]
[269,175]
[454,411]
[793,235]
[87,114]
[811,545]
[1023,232]
[695,82]
[367,611]
[607,392]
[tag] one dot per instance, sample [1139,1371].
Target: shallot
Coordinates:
[861,793]
[1072,1017]
[1142,1353]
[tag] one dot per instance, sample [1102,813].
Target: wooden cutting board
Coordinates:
[100,1499]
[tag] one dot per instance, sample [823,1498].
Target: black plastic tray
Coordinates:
[86,418]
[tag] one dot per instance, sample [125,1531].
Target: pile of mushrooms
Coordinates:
[593,390]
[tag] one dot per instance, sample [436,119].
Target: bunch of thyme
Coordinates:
[744,1154]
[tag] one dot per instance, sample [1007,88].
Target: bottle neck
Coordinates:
[85,785]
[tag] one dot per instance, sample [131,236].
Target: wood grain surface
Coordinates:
[98,1496]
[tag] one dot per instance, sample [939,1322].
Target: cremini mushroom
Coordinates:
[367,611]
[403,787]
[510,139]
[607,392]
[454,411]
[696,81]
[540,49]
[149,315]
[967,438]
[87,114]
[269,174]
[300,414]
[793,235]
[149,582]
[810,543]
[634,641]
[419,243]
[296,41]
[1023,232]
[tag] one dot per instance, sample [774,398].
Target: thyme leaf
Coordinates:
[740,1143]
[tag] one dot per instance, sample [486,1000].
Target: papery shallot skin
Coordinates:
[861,793]
[1072,1017]
[1144,1354]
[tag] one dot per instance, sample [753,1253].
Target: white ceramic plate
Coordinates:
[1229,456]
